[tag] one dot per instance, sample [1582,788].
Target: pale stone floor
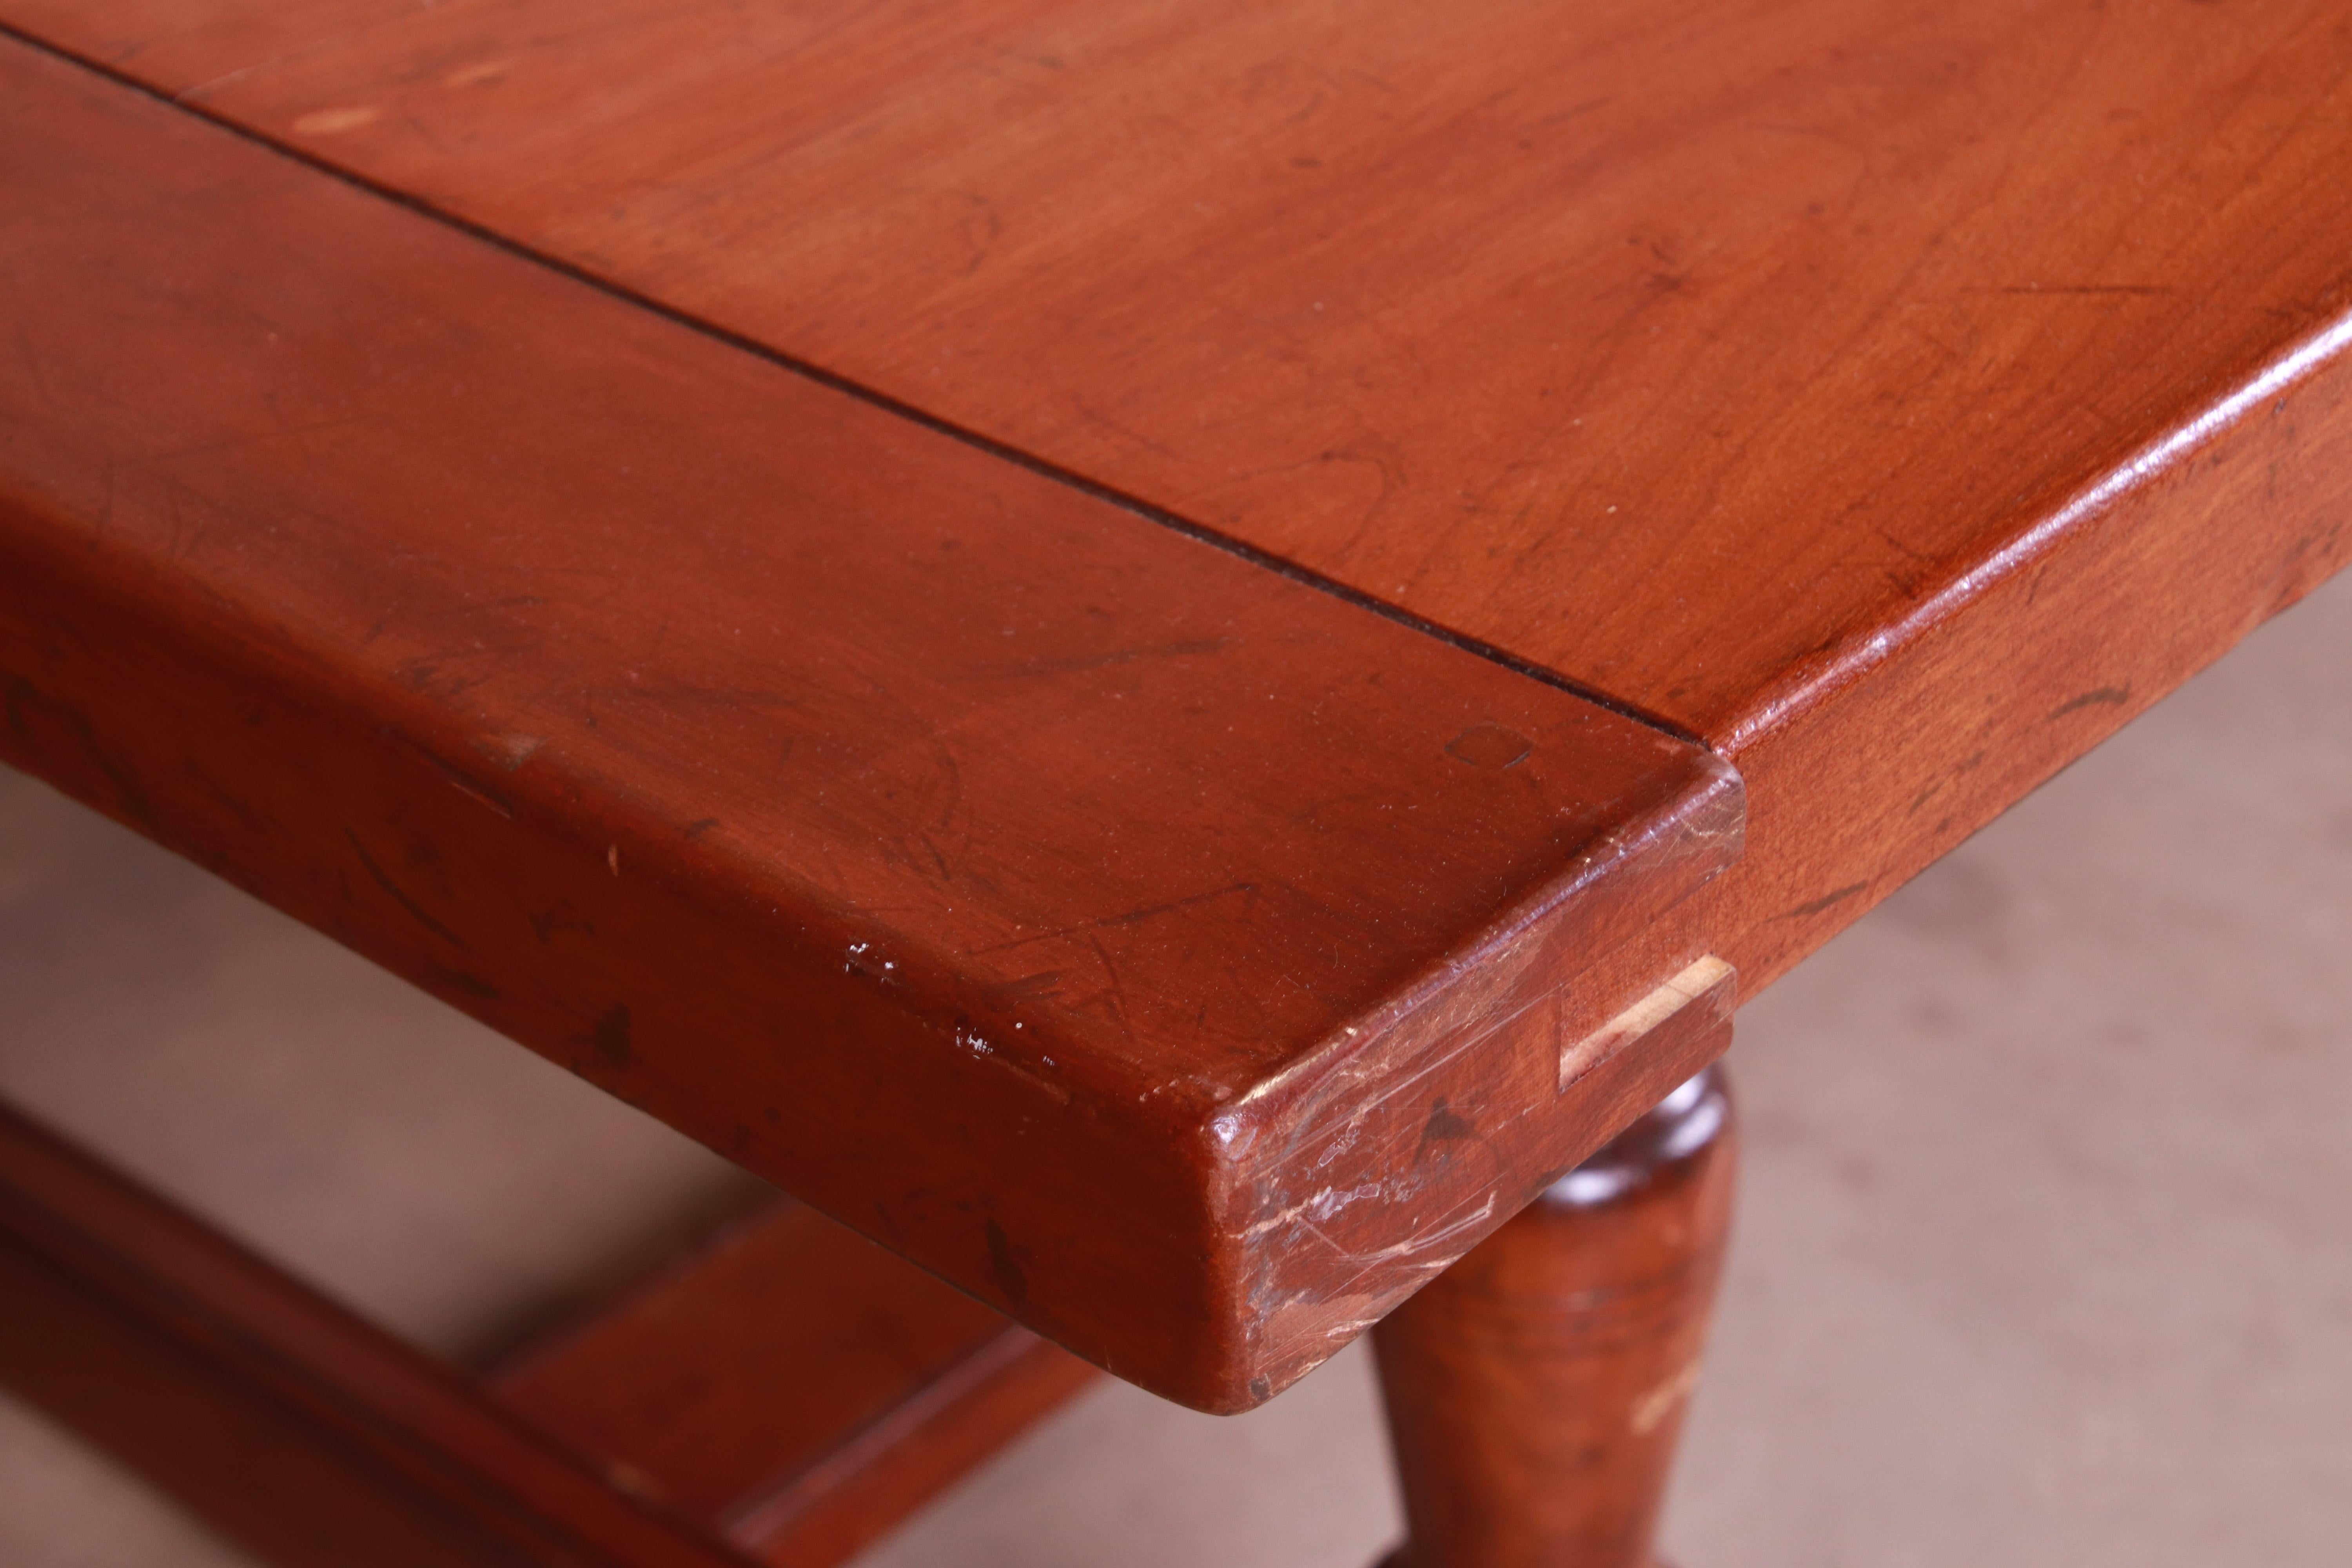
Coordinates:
[2045,1251]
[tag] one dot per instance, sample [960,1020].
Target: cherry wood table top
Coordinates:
[1106,637]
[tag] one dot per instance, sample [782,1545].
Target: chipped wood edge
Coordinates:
[1706,981]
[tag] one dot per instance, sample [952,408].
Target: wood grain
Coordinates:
[1661,348]
[1121,931]
[1898,397]
[1536,1392]
[793,1384]
[306,1435]
[1892,399]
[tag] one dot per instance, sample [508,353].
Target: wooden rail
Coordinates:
[832,1389]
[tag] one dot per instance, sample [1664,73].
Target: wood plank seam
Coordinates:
[1044,468]
[659,776]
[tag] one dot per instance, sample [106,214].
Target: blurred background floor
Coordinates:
[2044,1253]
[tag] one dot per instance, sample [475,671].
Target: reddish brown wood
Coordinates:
[826,1515]
[1536,1390]
[1684,351]
[1899,397]
[1121,931]
[793,1389]
[795,1384]
[288,1424]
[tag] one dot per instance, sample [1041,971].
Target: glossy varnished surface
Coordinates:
[1068,904]
[1899,397]
[1681,351]
[1900,400]
[1536,1392]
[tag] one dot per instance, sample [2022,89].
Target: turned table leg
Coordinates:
[1535,1390]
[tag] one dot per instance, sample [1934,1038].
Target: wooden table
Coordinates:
[1168,657]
